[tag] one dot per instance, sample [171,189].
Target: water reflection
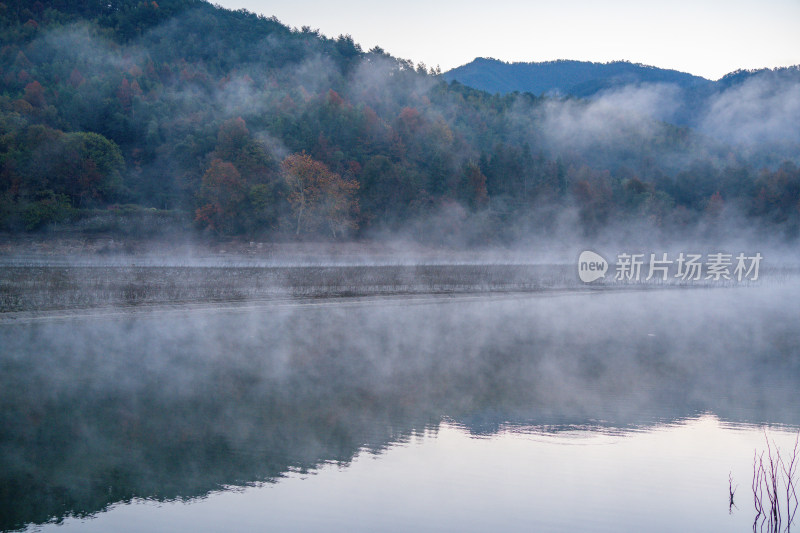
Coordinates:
[177,405]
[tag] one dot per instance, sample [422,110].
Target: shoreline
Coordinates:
[157,309]
[57,288]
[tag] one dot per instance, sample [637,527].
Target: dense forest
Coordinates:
[137,116]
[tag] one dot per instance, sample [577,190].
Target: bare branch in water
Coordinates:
[769,477]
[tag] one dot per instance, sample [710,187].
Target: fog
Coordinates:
[173,403]
[761,110]
[764,109]
[758,112]
[619,134]
[613,118]
[170,364]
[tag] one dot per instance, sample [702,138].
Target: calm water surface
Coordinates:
[588,412]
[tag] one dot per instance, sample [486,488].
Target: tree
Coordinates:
[84,165]
[593,195]
[34,94]
[222,193]
[263,206]
[48,207]
[318,197]
[474,186]
[384,194]
[233,136]
[125,94]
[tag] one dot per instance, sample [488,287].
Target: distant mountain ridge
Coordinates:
[739,76]
[585,78]
[566,77]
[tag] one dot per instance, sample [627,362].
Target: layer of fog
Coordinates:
[734,125]
[763,110]
[177,404]
[106,252]
[759,113]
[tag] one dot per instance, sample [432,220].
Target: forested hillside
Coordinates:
[182,114]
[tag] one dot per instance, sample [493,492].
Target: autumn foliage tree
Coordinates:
[321,200]
[222,193]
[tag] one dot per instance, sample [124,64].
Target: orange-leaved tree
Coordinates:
[319,197]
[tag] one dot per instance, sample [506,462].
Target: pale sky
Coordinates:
[708,38]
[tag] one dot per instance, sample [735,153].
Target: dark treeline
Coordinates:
[190,115]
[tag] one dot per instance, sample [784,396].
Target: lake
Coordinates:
[619,410]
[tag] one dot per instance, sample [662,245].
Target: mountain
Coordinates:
[135,117]
[776,75]
[576,78]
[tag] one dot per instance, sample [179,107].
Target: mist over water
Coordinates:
[178,403]
[185,345]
